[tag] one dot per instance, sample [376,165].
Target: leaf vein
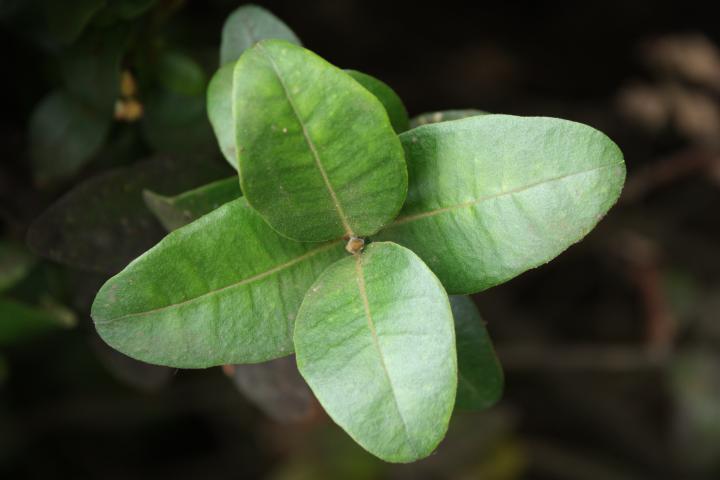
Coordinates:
[241,283]
[371,325]
[438,211]
[311,145]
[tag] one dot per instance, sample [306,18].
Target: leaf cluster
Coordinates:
[346,238]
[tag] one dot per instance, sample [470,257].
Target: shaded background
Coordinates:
[611,352]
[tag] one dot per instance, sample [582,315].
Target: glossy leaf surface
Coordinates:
[480,376]
[374,339]
[318,157]
[219,110]
[248,25]
[175,212]
[391,101]
[495,195]
[223,289]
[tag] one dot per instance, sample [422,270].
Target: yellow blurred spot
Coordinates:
[129,110]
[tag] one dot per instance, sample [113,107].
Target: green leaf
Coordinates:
[15,264]
[248,25]
[444,116]
[175,212]
[219,110]
[318,157]
[181,74]
[175,123]
[480,376]
[103,223]
[223,289]
[64,136]
[387,96]
[21,322]
[374,340]
[221,117]
[276,388]
[67,19]
[495,195]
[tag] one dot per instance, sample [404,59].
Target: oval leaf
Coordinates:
[387,96]
[248,25]
[480,377]
[495,195]
[219,110]
[374,340]
[224,289]
[175,212]
[318,157]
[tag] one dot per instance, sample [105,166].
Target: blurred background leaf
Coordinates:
[21,322]
[276,388]
[103,223]
[64,135]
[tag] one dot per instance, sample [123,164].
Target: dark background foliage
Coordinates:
[611,351]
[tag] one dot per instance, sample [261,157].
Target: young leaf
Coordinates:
[374,340]
[175,212]
[64,135]
[443,116]
[276,388]
[103,223]
[318,157]
[248,25]
[219,110]
[480,376]
[22,322]
[495,195]
[223,289]
[387,96]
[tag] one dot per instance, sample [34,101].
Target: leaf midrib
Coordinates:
[243,282]
[477,201]
[376,342]
[311,145]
